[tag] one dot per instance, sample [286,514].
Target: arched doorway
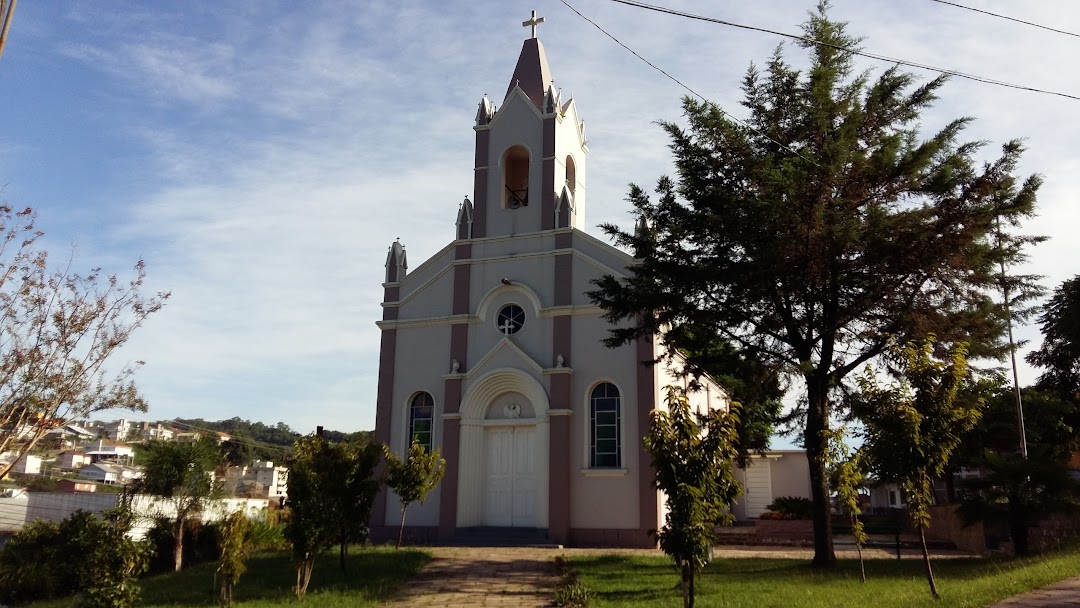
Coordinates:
[503,466]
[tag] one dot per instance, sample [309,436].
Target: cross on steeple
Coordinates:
[533,21]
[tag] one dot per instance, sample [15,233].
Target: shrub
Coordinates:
[792,507]
[81,553]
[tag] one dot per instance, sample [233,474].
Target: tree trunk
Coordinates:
[858,547]
[178,549]
[303,575]
[1018,528]
[817,444]
[926,562]
[401,530]
[344,549]
[862,564]
[687,585]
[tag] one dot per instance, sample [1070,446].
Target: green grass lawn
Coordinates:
[760,583]
[373,576]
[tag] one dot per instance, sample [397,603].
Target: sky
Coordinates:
[262,156]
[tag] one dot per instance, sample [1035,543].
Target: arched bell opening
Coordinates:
[515,191]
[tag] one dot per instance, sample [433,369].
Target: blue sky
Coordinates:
[261,156]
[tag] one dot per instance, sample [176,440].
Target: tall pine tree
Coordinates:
[810,254]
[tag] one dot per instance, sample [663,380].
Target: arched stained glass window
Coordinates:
[604,427]
[421,414]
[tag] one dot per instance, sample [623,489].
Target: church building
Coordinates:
[492,353]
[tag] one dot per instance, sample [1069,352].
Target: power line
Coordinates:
[683,85]
[846,49]
[1006,17]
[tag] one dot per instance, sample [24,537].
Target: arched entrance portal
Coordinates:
[503,466]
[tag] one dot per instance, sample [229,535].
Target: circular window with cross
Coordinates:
[511,318]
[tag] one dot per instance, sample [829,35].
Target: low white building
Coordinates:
[74,459]
[103,449]
[261,479]
[28,465]
[104,472]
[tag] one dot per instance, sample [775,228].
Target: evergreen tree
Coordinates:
[1059,355]
[823,225]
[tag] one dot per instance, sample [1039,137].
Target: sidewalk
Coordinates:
[1065,594]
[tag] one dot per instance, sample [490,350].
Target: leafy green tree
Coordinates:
[234,553]
[312,522]
[412,478]
[355,490]
[1019,493]
[693,463]
[181,473]
[912,427]
[819,227]
[1059,354]
[59,330]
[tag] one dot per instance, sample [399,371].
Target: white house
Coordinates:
[74,459]
[104,472]
[492,353]
[768,476]
[29,464]
[103,449]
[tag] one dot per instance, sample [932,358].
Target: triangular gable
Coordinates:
[505,354]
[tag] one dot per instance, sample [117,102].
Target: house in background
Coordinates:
[261,480]
[110,451]
[104,472]
[70,460]
[770,475]
[75,485]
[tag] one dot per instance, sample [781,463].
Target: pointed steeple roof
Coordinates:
[532,73]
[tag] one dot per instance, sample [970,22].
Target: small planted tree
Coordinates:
[182,474]
[693,463]
[912,427]
[848,478]
[234,552]
[412,478]
[356,491]
[312,519]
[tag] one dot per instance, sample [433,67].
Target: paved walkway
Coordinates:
[460,577]
[510,577]
[1065,594]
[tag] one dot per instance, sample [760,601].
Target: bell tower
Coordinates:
[530,154]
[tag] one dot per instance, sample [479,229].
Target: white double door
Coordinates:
[510,496]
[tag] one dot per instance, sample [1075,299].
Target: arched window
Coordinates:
[604,427]
[421,414]
[516,177]
[571,174]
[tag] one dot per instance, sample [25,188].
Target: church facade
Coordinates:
[492,353]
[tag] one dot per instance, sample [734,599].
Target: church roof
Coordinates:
[532,73]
